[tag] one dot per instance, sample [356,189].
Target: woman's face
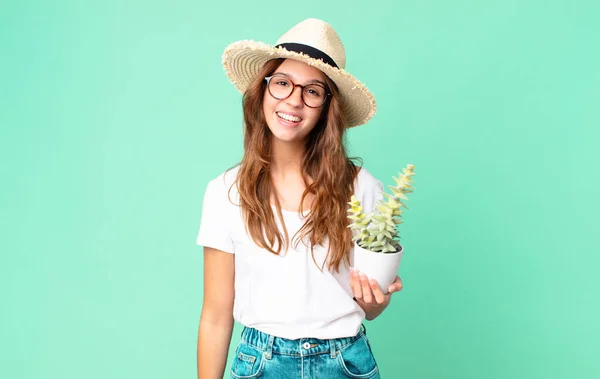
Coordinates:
[291,119]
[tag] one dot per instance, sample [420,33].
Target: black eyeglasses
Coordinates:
[281,87]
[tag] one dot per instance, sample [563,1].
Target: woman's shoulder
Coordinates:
[368,189]
[224,182]
[366,181]
[227,177]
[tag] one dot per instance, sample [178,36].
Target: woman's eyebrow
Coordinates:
[317,81]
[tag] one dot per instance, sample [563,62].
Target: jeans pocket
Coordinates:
[357,361]
[248,362]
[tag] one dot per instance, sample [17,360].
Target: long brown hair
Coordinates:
[325,161]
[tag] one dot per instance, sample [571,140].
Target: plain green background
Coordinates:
[114,116]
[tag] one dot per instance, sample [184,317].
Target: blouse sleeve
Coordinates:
[372,194]
[214,226]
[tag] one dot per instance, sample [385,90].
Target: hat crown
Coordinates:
[319,35]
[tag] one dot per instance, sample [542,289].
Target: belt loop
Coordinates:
[332,348]
[270,347]
[364,328]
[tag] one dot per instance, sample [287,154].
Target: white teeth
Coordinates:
[289,117]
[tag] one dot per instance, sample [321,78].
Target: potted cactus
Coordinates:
[377,248]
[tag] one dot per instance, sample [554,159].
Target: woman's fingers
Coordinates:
[396,286]
[377,292]
[355,284]
[367,294]
[368,290]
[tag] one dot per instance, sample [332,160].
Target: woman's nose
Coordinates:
[295,97]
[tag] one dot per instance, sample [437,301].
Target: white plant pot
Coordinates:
[382,267]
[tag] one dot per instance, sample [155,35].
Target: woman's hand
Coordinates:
[369,295]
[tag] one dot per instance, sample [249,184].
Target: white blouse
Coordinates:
[285,295]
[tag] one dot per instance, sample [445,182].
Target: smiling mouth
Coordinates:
[287,117]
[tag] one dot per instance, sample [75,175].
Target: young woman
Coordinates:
[277,249]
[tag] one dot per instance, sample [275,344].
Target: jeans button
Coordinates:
[306,345]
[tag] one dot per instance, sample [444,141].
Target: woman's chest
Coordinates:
[289,193]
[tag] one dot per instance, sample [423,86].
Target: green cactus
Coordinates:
[378,231]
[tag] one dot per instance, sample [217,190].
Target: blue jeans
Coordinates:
[261,355]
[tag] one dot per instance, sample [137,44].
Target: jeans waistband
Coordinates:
[299,347]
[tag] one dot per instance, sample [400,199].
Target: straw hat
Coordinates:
[315,43]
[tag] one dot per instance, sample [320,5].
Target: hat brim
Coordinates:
[243,60]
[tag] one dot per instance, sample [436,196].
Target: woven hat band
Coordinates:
[310,51]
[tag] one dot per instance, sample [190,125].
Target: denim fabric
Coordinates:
[260,355]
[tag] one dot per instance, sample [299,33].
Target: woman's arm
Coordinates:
[216,320]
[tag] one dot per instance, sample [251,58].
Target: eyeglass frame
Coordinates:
[294,85]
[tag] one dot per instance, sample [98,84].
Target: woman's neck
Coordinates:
[287,159]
